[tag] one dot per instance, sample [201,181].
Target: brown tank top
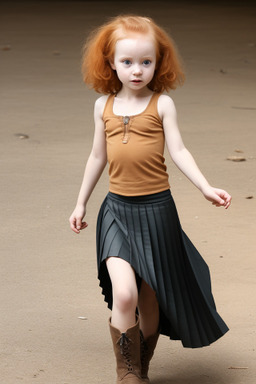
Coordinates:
[135,147]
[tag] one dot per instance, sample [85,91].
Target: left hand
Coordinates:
[218,197]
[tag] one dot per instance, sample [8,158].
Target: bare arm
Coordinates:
[94,167]
[183,158]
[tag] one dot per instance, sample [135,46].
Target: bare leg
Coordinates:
[125,293]
[148,310]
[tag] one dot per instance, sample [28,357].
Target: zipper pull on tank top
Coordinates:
[126,120]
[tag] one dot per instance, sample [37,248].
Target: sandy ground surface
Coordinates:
[48,274]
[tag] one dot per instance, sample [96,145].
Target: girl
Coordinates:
[153,278]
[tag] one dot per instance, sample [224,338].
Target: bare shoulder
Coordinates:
[100,105]
[166,106]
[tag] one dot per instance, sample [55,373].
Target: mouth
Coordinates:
[136,81]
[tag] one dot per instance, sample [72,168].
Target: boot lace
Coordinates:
[125,351]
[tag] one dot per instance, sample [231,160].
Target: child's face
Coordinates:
[135,61]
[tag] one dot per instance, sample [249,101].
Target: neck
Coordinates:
[131,94]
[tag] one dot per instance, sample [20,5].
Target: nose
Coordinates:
[137,70]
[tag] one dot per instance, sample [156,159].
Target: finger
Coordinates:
[216,204]
[224,197]
[74,229]
[83,225]
[227,199]
[73,225]
[219,201]
[78,223]
[228,203]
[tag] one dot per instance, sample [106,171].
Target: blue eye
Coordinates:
[146,62]
[127,62]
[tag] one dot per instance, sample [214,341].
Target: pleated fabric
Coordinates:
[146,232]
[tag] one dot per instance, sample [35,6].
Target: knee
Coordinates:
[125,299]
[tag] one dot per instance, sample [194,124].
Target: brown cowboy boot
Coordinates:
[147,351]
[127,351]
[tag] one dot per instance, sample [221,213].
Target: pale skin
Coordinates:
[134,63]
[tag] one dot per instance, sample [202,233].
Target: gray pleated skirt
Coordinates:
[146,232]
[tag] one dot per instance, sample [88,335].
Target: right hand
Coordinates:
[76,219]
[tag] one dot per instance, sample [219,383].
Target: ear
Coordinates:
[112,65]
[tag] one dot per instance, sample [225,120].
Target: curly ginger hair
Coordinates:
[99,50]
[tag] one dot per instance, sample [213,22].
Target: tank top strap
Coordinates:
[108,109]
[152,106]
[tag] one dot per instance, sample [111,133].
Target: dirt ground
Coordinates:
[53,326]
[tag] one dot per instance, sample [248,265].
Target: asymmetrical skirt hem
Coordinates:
[145,231]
